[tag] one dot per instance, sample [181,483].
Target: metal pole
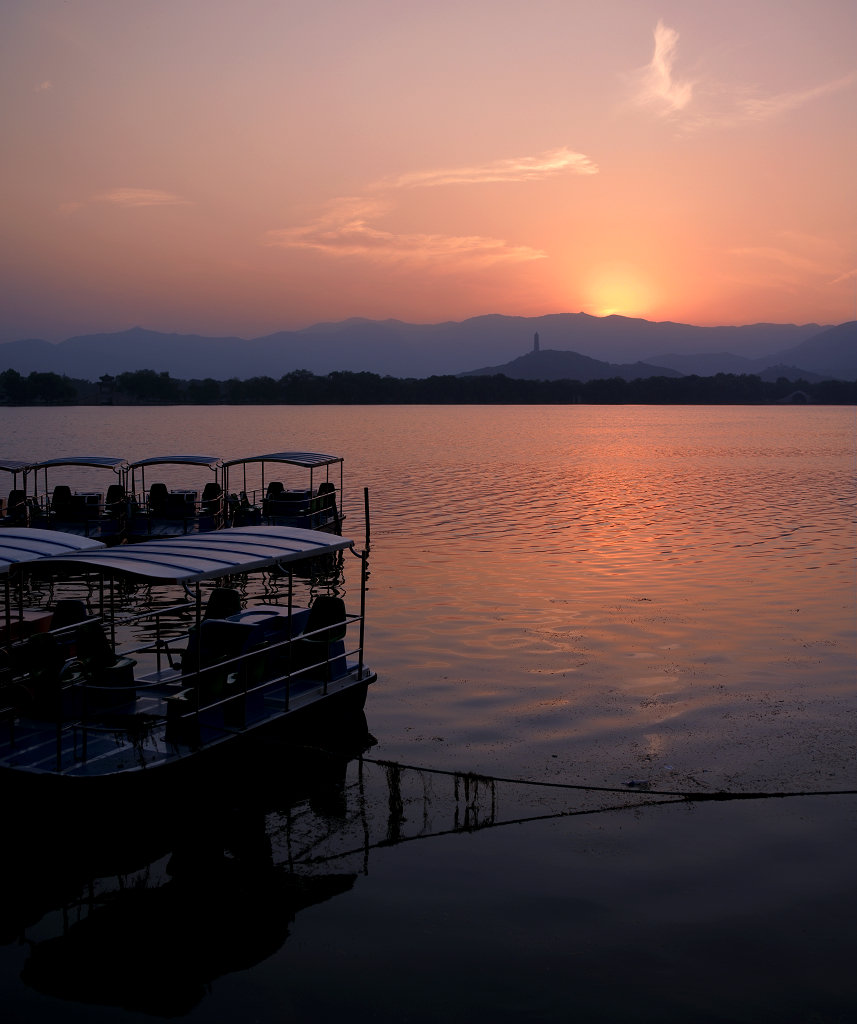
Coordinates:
[366,512]
[363,559]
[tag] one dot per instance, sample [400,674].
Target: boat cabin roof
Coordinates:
[25,544]
[307,460]
[201,556]
[94,461]
[212,461]
[15,465]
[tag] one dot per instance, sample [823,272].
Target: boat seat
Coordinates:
[69,612]
[323,636]
[16,509]
[61,502]
[101,665]
[46,670]
[114,503]
[158,495]
[223,602]
[212,499]
[274,491]
[325,501]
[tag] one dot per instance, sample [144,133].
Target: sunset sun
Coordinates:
[620,291]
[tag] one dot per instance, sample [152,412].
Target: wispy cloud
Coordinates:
[140,197]
[782,257]
[515,169]
[45,86]
[701,104]
[345,229]
[763,108]
[794,256]
[349,226]
[849,275]
[125,197]
[657,86]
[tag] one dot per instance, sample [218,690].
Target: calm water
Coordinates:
[584,596]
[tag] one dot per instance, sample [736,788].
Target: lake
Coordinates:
[577,614]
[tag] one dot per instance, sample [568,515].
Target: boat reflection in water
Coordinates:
[146,914]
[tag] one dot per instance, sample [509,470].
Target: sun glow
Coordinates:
[620,291]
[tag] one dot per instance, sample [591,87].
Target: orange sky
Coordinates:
[221,168]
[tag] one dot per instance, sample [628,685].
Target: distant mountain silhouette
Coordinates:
[830,353]
[394,348]
[551,364]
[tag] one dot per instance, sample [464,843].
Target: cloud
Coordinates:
[715,105]
[657,87]
[763,108]
[140,197]
[797,255]
[345,230]
[516,169]
[772,254]
[45,86]
[128,197]
[349,225]
[849,275]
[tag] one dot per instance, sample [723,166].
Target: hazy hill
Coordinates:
[828,353]
[398,349]
[832,353]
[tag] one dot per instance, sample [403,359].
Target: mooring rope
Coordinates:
[643,789]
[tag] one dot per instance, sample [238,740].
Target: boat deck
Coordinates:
[160,725]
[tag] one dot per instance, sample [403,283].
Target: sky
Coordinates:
[225,168]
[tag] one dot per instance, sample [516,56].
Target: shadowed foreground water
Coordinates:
[642,600]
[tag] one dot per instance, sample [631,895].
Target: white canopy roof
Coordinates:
[211,461]
[94,461]
[308,460]
[25,544]
[200,556]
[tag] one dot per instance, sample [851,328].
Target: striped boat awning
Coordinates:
[27,544]
[307,460]
[201,556]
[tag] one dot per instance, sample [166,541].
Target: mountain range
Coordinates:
[573,345]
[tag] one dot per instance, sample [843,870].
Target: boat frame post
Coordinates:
[364,558]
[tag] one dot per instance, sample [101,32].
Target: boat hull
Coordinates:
[192,767]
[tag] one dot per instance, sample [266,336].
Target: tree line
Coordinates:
[300,387]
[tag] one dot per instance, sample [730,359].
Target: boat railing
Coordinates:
[247,674]
[312,507]
[181,506]
[270,673]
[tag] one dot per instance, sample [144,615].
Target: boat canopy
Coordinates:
[202,556]
[307,460]
[15,465]
[212,461]
[26,544]
[93,461]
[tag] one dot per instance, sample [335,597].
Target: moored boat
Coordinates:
[105,706]
[98,513]
[302,489]
[161,510]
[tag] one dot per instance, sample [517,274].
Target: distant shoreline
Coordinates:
[147,387]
